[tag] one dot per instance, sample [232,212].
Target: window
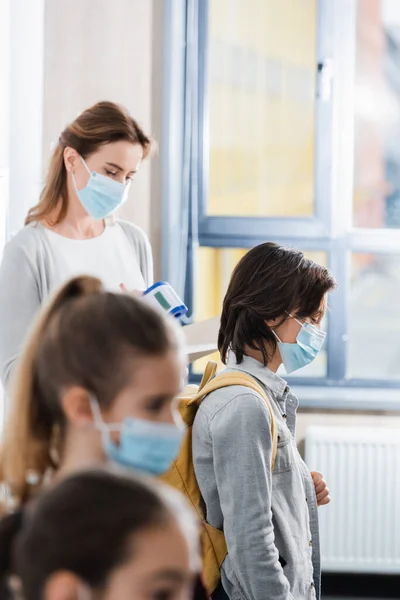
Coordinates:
[374,317]
[296,141]
[377,115]
[263,115]
[261,104]
[264,118]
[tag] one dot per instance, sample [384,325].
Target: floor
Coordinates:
[360,587]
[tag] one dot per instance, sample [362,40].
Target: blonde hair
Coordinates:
[86,337]
[103,123]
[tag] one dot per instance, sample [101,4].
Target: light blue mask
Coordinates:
[145,446]
[309,342]
[102,195]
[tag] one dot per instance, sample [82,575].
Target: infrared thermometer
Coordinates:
[163,295]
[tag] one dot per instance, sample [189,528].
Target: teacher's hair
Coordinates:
[103,123]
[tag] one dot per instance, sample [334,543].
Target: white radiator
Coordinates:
[360,528]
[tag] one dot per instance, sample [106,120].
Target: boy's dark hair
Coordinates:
[267,283]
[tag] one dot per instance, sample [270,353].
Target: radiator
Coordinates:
[360,528]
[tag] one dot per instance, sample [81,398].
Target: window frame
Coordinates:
[330,230]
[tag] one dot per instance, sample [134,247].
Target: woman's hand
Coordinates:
[321,489]
[133,292]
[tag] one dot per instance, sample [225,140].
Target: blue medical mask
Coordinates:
[309,342]
[102,195]
[146,446]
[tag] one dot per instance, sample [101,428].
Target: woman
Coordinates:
[99,534]
[97,382]
[271,315]
[67,233]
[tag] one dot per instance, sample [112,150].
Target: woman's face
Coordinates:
[119,161]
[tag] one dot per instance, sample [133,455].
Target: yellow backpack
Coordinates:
[182,476]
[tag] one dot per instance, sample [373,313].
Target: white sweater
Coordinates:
[36,261]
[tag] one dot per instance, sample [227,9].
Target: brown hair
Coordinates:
[86,337]
[87,525]
[103,123]
[267,283]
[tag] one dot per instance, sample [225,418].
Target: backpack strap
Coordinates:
[245,380]
[209,374]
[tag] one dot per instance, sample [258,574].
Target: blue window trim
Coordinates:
[323,232]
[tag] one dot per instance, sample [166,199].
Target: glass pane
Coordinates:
[215,266]
[377,115]
[262,64]
[374,317]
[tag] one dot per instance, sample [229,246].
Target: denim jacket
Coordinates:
[270,521]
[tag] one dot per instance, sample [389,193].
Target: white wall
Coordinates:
[25,104]
[101,50]
[4,134]
[21,93]
[4,114]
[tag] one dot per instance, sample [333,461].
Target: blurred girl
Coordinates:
[96,383]
[100,535]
